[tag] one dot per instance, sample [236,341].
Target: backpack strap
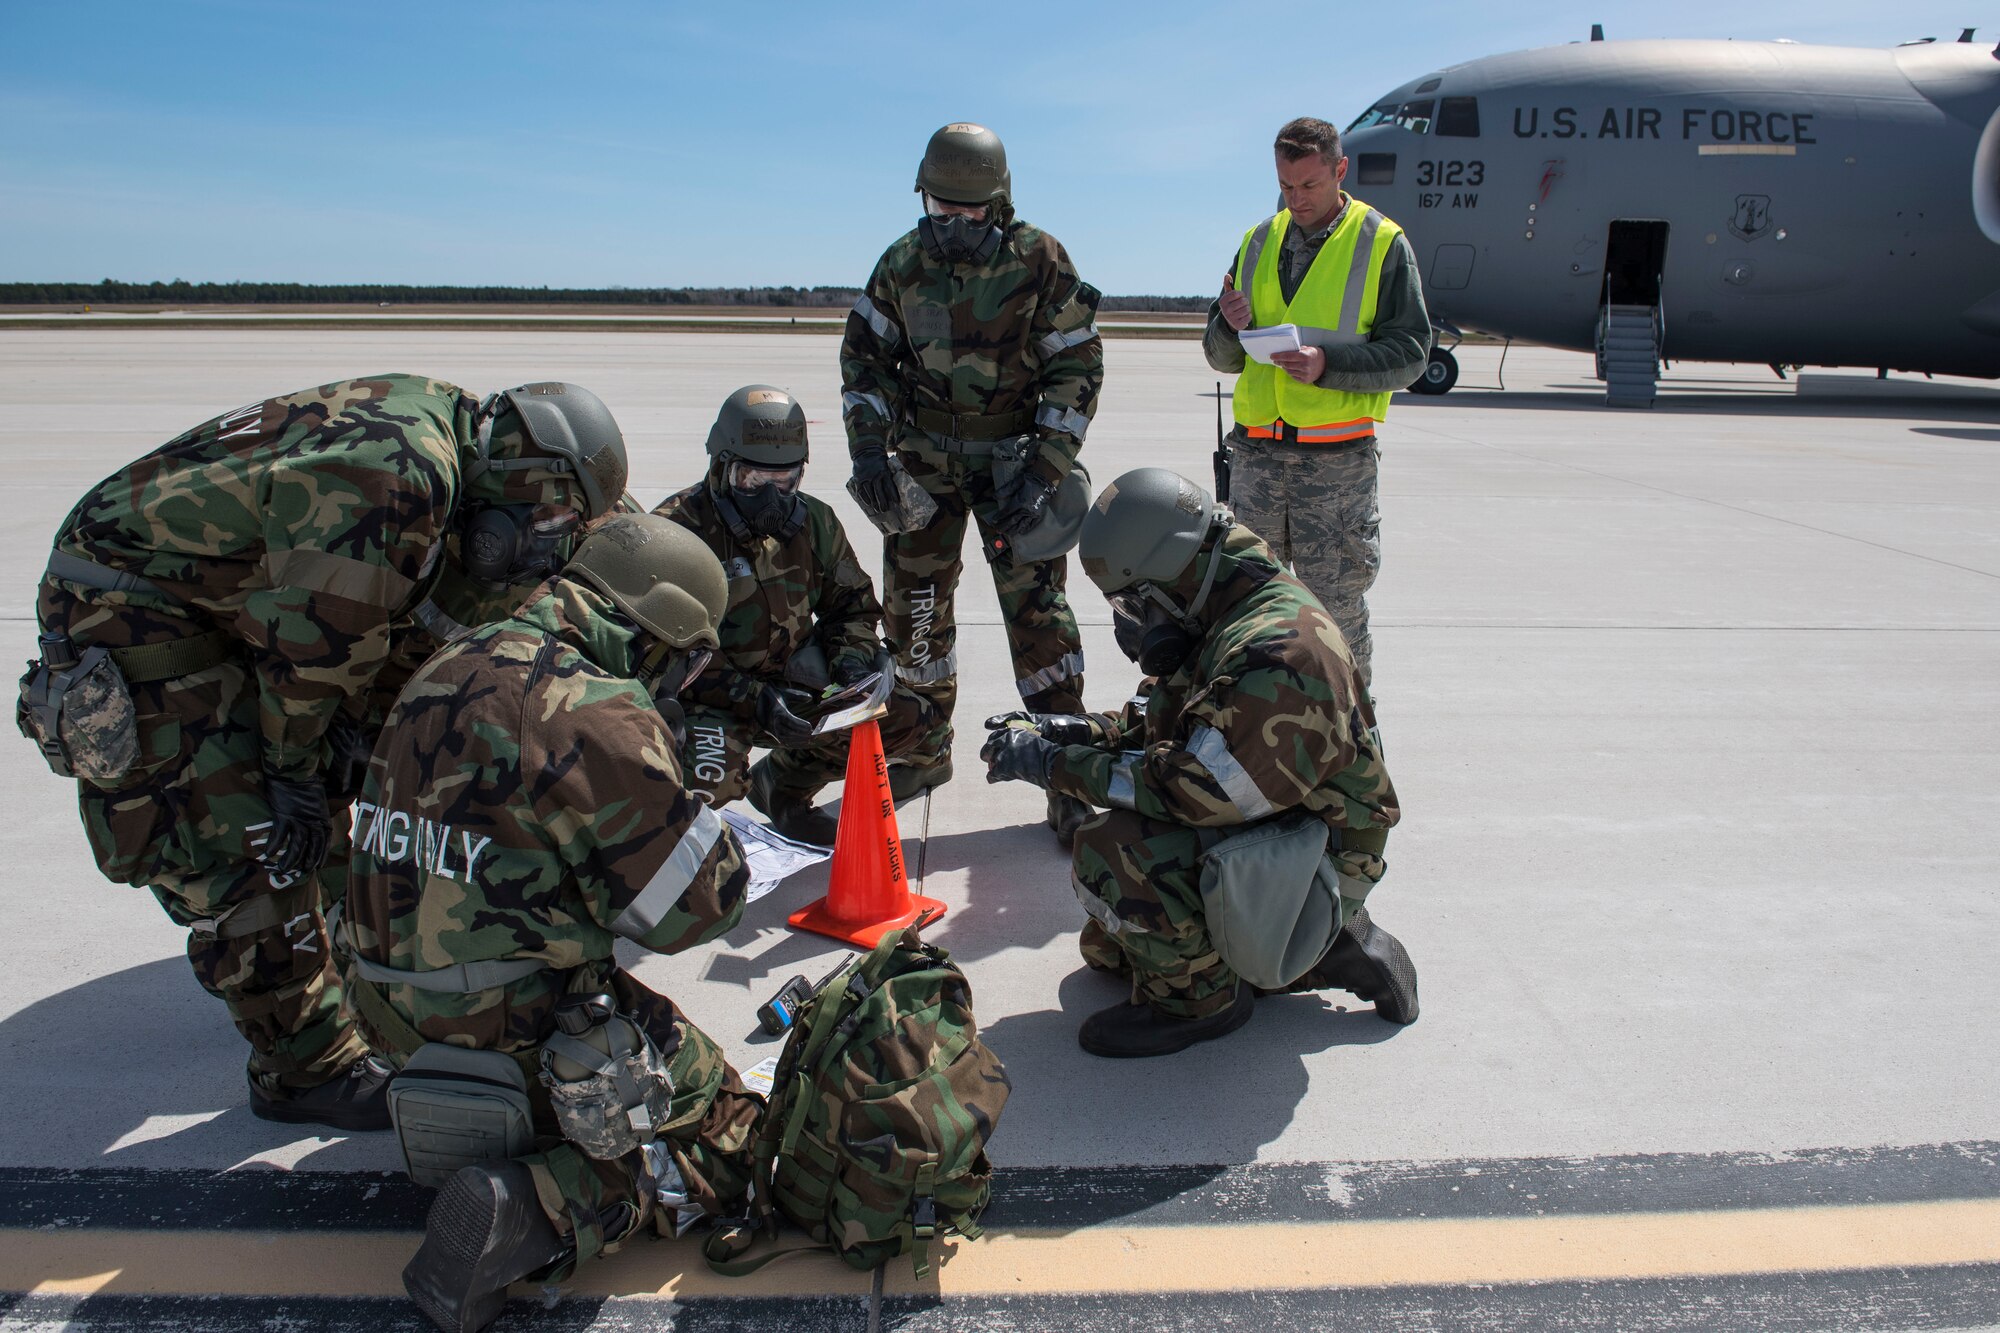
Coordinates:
[738,1249]
[923,1218]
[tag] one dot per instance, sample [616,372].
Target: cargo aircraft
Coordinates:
[1769,202]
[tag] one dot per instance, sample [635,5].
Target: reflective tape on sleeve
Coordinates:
[1066,419]
[671,880]
[337,576]
[432,617]
[1212,752]
[1121,790]
[1058,341]
[871,400]
[1049,676]
[877,321]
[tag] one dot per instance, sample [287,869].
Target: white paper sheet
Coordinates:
[1263,344]
[770,858]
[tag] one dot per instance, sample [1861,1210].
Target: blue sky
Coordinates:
[735,142]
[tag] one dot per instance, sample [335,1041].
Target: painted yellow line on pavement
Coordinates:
[1225,1257]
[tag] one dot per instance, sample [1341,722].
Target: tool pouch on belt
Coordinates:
[454,1108]
[914,506]
[78,712]
[620,1101]
[1270,897]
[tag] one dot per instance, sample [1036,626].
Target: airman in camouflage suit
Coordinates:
[802,615]
[249,578]
[1256,711]
[525,806]
[974,331]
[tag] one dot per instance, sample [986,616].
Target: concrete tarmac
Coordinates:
[1694,713]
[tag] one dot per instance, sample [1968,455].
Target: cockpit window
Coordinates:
[1414,116]
[1458,118]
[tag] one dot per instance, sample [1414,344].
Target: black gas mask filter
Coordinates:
[508,544]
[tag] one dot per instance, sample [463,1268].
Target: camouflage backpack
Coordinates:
[879,1114]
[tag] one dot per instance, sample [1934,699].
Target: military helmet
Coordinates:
[1145,527]
[762,425]
[965,164]
[551,427]
[659,573]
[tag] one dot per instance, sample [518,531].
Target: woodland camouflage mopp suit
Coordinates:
[525,808]
[253,581]
[974,343]
[1256,713]
[802,614]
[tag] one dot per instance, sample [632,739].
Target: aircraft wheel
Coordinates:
[1440,373]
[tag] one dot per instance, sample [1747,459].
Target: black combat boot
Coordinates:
[485,1231]
[907,780]
[356,1100]
[1369,962]
[790,811]
[1066,813]
[1135,1031]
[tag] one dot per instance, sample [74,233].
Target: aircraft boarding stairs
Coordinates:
[1628,354]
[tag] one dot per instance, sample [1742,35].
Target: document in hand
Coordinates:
[1263,344]
[857,703]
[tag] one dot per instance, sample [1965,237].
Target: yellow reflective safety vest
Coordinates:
[1333,307]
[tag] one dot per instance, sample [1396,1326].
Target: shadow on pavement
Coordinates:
[143,1068]
[1220,1101]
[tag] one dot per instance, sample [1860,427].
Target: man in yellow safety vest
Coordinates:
[1303,454]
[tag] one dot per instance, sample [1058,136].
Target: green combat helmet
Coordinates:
[550,428]
[762,425]
[965,164]
[658,573]
[1145,527]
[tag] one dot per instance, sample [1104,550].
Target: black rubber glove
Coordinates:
[300,826]
[347,751]
[1016,754]
[1061,728]
[849,670]
[874,482]
[774,714]
[1024,508]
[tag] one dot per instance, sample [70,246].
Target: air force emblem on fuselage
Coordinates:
[1753,216]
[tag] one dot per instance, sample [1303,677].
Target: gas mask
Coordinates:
[1150,629]
[507,544]
[954,238]
[665,671]
[761,502]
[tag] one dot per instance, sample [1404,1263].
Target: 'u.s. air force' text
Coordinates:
[1709,124]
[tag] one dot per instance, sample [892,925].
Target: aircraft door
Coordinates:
[1635,259]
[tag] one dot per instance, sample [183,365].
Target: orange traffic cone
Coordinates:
[867,894]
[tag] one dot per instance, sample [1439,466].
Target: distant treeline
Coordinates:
[112,292]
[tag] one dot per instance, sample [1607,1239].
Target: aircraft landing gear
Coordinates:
[1440,373]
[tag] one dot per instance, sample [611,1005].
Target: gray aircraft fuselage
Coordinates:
[1825,206]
